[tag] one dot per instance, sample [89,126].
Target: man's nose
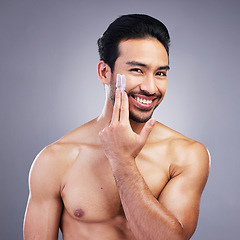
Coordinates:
[148,85]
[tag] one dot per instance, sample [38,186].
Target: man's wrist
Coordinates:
[123,166]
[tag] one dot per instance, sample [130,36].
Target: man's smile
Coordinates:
[143,102]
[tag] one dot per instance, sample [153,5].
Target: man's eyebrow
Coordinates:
[164,67]
[135,63]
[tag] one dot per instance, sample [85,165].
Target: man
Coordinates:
[122,175]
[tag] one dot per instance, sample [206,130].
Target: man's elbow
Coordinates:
[180,232]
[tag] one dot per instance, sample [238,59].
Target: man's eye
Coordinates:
[161,74]
[136,70]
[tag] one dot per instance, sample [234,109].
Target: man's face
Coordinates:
[144,62]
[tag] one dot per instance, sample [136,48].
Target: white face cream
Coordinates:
[121,82]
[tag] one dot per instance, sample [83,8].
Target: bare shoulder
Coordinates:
[185,151]
[53,161]
[49,167]
[56,155]
[188,161]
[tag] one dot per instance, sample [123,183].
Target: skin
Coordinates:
[115,177]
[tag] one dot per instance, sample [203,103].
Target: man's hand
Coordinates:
[118,139]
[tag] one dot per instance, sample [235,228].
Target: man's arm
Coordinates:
[44,206]
[174,215]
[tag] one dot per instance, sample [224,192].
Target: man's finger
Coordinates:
[116,107]
[124,112]
[147,130]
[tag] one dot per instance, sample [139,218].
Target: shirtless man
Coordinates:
[122,175]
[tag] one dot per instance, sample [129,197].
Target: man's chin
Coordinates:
[139,119]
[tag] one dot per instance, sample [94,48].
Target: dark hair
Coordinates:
[132,26]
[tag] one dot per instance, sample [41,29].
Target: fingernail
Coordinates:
[152,122]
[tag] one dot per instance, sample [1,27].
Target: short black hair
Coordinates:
[131,26]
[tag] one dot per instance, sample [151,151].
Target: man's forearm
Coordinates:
[147,218]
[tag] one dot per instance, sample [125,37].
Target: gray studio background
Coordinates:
[49,86]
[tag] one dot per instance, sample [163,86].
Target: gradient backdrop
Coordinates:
[49,86]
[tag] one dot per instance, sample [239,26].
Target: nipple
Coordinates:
[79,213]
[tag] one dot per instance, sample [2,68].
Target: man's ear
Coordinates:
[104,72]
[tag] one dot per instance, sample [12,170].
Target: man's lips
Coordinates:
[142,101]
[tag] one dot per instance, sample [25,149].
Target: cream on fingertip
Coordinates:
[121,82]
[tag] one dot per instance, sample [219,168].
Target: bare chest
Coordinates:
[90,193]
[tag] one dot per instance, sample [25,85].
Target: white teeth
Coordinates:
[139,100]
[143,100]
